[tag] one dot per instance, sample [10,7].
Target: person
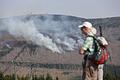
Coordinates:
[91,71]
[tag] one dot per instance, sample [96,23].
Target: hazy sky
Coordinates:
[80,8]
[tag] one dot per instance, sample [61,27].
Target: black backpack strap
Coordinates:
[95,43]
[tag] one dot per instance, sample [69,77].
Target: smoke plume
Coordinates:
[55,33]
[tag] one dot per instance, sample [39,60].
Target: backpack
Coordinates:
[100,54]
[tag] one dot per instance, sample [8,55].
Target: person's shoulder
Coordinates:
[89,38]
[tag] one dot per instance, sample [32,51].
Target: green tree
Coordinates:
[1,76]
[109,76]
[49,77]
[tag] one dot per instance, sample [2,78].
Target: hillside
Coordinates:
[58,32]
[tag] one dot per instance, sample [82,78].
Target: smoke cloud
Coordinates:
[55,33]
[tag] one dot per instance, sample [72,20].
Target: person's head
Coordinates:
[86,28]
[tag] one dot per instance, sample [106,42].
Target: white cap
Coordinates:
[88,25]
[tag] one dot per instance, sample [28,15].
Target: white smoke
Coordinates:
[30,33]
[60,29]
[58,35]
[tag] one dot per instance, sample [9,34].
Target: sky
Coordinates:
[78,8]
